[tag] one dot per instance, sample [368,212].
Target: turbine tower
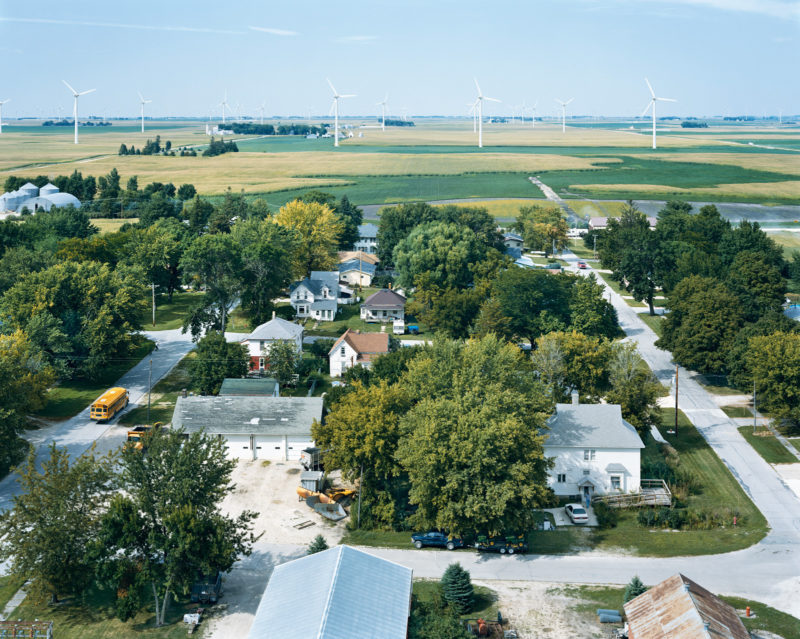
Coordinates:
[224,105]
[652,105]
[335,109]
[382,105]
[2,102]
[76,95]
[261,108]
[564,113]
[142,101]
[533,114]
[479,103]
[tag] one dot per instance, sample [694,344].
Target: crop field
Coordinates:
[438,159]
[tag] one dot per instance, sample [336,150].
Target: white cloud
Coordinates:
[786,9]
[357,38]
[277,32]
[117,25]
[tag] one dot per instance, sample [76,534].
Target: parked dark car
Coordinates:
[207,589]
[438,539]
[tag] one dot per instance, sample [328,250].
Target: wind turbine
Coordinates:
[2,102]
[652,105]
[224,105]
[473,111]
[479,103]
[335,109]
[533,114]
[382,105]
[261,108]
[143,102]
[76,95]
[564,113]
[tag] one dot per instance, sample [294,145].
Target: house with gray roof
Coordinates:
[260,341]
[367,238]
[512,240]
[340,593]
[596,451]
[357,272]
[253,427]
[250,386]
[316,296]
[385,305]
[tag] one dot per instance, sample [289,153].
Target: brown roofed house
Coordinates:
[678,608]
[354,348]
[385,305]
[346,256]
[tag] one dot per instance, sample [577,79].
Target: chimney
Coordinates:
[575,398]
[273,314]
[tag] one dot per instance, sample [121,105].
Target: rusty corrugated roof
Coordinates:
[679,608]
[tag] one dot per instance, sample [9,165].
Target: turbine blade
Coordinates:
[491,99]
[666,100]
[330,84]
[140,96]
[333,104]
[559,101]
[348,95]
[646,109]
[147,101]
[568,101]
[480,93]
[69,87]
[649,86]
[88,91]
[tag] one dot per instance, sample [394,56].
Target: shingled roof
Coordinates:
[366,345]
[385,299]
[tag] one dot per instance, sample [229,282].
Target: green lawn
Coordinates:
[95,619]
[579,248]
[767,445]
[162,397]
[767,618]
[717,384]
[347,317]
[614,286]
[737,411]
[653,321]
[485,601]
[170,315]
[70,397]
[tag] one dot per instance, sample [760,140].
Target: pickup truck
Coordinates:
[438,539]
[207,589]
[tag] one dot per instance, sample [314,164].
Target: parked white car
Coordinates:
[576,513]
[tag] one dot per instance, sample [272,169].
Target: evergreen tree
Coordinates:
[457,588]
[317,545]
[634,588]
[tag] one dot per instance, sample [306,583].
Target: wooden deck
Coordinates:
[652,492]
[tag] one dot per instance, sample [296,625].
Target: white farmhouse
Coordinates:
[355,348]
[367,238]
[316,296]
[596,451]
[260,341]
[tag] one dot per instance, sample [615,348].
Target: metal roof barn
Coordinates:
[341,593]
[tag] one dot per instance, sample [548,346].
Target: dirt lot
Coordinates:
[283,518]
[543,610]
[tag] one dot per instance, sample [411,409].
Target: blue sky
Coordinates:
[713,56]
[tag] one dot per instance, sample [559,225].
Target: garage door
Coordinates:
[295,446]
[269,446]
[239,446]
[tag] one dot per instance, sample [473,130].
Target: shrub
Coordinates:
[634,588]
[607,517]
[317,545]
[457,588]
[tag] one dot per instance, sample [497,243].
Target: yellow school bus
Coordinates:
[109,404]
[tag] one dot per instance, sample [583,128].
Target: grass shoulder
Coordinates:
[9,585]
[170,313]
[717,384]
[655,322]
[766,618]
[163,396]
[767,445]
[484,599]
[70,397]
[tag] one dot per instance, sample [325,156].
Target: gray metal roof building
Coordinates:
[341,593]
[247,415]
[591,426]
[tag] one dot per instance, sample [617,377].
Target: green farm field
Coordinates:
[438,159]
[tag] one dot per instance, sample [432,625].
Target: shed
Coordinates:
[340,593]
[253,427]
[311,480]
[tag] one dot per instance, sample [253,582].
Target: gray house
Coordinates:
[316,296]
[253,427]
[383,306]
[340,593]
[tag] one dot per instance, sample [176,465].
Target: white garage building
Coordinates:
[275,428]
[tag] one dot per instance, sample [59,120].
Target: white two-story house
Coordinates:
[367,238]
[316,296]
[355,348]
[596,451]
[260,341]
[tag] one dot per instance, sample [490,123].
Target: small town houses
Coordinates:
[355,348]
[260,341]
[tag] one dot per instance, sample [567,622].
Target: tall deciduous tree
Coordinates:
[585,362]
[634,388]
[165,526]
[214,262]
[217,359]
[543,228]
[282,361]
[56,520]
[318,229]
[774,363]
[157,251]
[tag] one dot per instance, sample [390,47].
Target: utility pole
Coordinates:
[676,401]
[594,246]
[754,407]
[153,287]
[149,386]
[360,488]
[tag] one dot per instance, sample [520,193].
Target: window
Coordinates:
[561,478]
[616,482]
[588,454]
[341,351]
[586,472]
